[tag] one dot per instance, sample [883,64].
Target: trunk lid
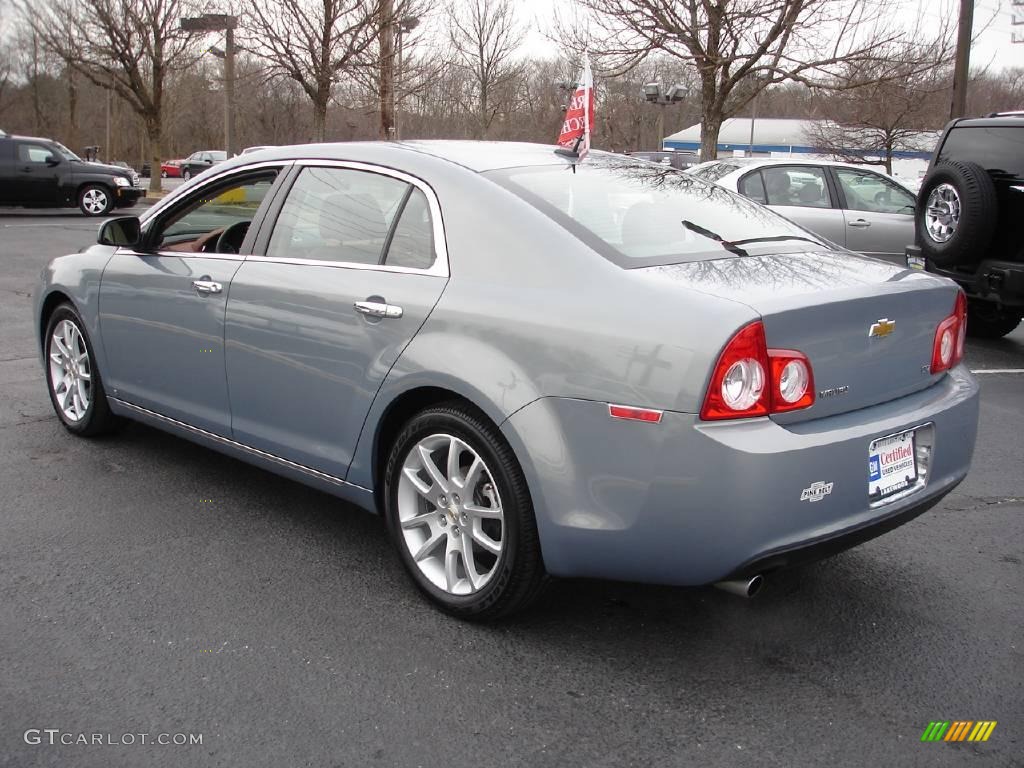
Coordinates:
[867,326]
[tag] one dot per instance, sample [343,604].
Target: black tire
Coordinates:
[979,209]
[988,321]
[163,174]
[95,200]
[520,574]
[98,419]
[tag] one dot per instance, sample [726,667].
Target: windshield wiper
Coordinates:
[698,229]
[774,238]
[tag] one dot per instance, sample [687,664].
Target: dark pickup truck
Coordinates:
[41,173]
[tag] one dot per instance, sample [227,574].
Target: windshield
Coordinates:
[68,154]
[638,214]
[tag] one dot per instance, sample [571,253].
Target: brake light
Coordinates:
[948,347]
[751,380]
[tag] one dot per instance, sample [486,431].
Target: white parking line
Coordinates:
[997,370]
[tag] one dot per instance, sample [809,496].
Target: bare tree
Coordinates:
[484,38]
[738,47]
[883,108]
[316,42]
[129,46]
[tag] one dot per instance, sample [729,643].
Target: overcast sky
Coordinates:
[991,48]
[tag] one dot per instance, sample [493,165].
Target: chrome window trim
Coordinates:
[439,268]
[235,444]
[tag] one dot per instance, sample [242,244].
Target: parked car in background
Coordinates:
[679,160]
[970,219]
[729,395]
[853,206]
[170,169]
[42,173]
[198,162]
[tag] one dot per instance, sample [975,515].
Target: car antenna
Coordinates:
[574,152]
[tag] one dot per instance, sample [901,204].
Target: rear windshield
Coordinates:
[639,214]
[997,149]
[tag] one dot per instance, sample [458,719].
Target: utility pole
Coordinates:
[961,70]
[387,69]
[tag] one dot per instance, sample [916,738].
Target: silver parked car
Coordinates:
[528,364]
[855,207]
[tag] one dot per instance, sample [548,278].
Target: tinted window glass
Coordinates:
[35,153]
[752,186]
[999,150]
[197,225]
[637,213]
[803,186]
[412,244]
[337,214]
[715,171]
[866,191]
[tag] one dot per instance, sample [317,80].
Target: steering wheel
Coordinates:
[231,239]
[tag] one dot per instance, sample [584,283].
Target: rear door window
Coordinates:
[337,214]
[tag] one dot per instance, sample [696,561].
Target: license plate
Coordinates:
[892,465]
[915,262]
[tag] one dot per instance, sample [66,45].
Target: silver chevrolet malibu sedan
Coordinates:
[528,363]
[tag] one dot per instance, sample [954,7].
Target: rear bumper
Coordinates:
[993,280]
[689,502]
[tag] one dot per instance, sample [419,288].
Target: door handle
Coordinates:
[859,223]
[205,286]
[377,309]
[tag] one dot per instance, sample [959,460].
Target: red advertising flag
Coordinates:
[579,114]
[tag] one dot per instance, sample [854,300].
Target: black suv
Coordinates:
[40,173]
[970,218]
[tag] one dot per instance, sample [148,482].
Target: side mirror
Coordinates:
[52,160]
[124,230]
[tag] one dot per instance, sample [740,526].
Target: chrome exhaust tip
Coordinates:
[743,587]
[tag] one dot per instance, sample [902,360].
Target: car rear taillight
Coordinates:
[948,347]
[752,380]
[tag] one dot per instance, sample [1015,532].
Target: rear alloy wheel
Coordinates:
[95,200]
[460,514]
[988,321]
[76,390]
[186,174]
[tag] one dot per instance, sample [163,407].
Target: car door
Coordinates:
[36,173]
[879,213]
[8,173]
[162,304]
[801,193]
[351,269]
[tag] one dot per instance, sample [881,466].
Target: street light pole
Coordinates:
[221,22]
[229,90]
[404,27]
[655,94]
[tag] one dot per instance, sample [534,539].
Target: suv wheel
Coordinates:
[95,200]
[956,213]
[459,512]
[987,321]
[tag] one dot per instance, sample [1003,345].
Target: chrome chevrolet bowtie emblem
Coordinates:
[882,328]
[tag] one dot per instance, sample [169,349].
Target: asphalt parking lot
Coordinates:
[151,586]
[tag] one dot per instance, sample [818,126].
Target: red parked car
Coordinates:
[170,169]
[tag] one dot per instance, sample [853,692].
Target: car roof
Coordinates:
[479,156]
[28,138]
[1013,119]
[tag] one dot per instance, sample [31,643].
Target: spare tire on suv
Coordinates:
[956,213]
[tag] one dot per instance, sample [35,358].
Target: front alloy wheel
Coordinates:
[76,390]
[95,201]
[459,512]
